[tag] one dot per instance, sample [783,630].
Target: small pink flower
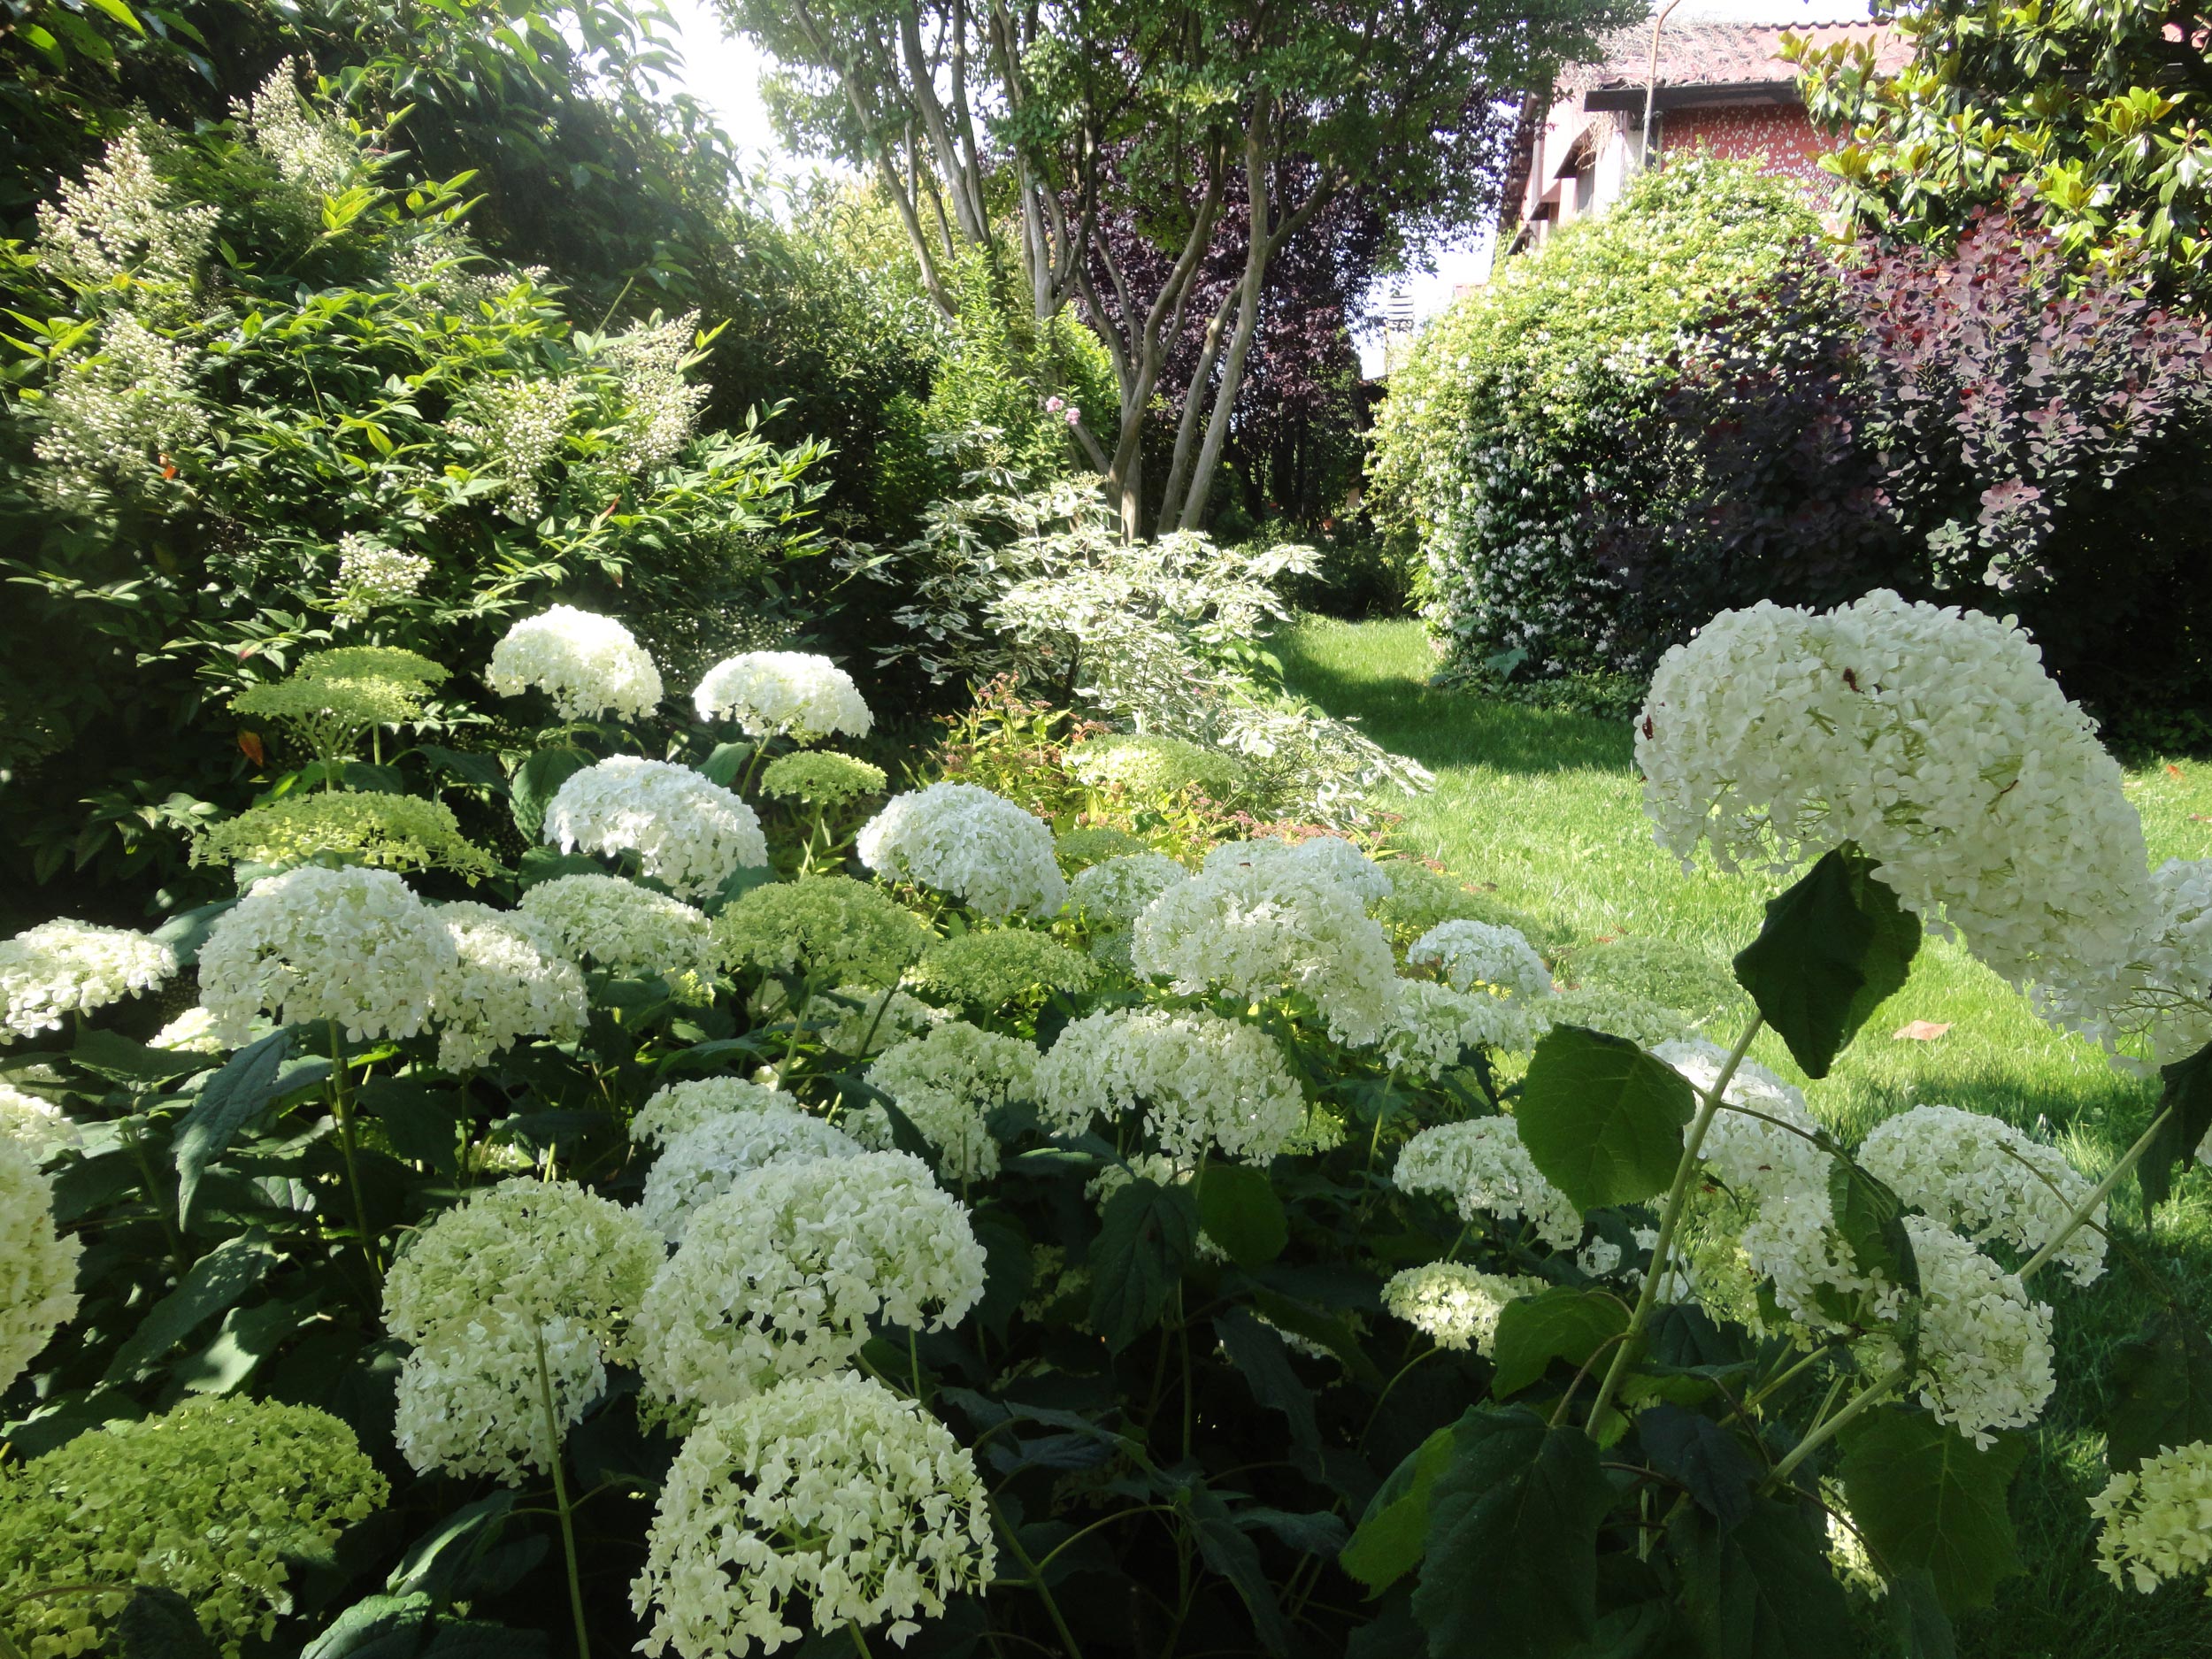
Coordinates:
[1074,416]
[1053,405]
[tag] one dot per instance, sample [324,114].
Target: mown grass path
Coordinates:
[1547,807]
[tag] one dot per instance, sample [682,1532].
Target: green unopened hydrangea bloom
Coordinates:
[395,832]
[1094,844]
[823,775]
[1420,899]
[373,662]
[365,700]
[1617,1014]
[992,967]
[207,1500]
[835,929]
[1146,764]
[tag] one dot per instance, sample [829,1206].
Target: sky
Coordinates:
[723,73]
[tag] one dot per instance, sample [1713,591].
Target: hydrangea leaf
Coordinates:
[247,1083]
[1871,1221]
[1146,1234]
[2186,1100]
[1917,1616]
[1238,1207]
[1258,1354]
[537,782]
[211,1285]
[1710,1461]
[1510,1563]
[1562,1323]
[1602,1119]
[1761,1588]
[1834,947]
[158,1624]
[1924,1496]
[2163,1377]
[1393,1533]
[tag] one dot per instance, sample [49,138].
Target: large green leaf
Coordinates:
[1602,1119]
[1229,1550]
[2186,1100]
[159,1624]
[1393,1534]
[1834,947]
[1238,1207]
[537,782]
[1873,1223]
[1926,1497]
[2163,1378]
[1510,1568]
[1915,1614]
[1146,1234]
[1762,1589]
[1710,1461]
[1257,1351]
[247,1083]
[119,1060]
[1563,1323]
[213,1283]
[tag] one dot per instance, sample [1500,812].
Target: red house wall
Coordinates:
[1779,138]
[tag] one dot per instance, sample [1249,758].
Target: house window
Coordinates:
[1586,187]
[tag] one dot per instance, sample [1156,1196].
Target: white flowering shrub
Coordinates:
[587,665]
[784,693]
[1247,1215]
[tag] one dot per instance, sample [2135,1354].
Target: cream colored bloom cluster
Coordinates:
[371,575]
[2155,1523]
[1430,1024]
[947,1083]
[1480,1167]
[1472,954]
[2169,991]
[38,1266]
[1116,892]
[686,832]
[679,1107]
[662,407]
[216,1501]
[979,847]
[826,927]
[351,945]
[518,424]
[1984,1349]
[61,968]
[122,219]
[587,664]
[508,980]
[1453,1306]
[37,1128]
[1984,1178]
[1932,739]
[827,1491]
[1269,926]
[192,1032]
[512,1267]
[705,1160]
[1205,1083]
[781,1276]
[1329,856]
[780,694]
[624,928]
[315,154]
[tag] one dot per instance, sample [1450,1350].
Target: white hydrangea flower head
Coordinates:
[964,840]
[678,1107]
[687,831]
[1454,1306]
[832,1491]
[1471,955]
[1983,1177]
[588,665]
[1431,1024]
[1205,1083]
[469,1400]
[38,1266]
[1115,893]
[1267,927]
[1756,1157]
[508,980]
[1480,1167]
[2151,1520]
[705,1160]
[526,1251]
[353,945]
[192,1032]
[61,968]
[37,1128]
[627,929]
[1331,855]
[1984,1351]
[948,1082]
[2169,993]
[784,693]
[781,1276]
[1616,1013]
[1935,741]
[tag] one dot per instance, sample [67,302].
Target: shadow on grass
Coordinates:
[1388,692]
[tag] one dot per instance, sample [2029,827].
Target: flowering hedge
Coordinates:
[757,1228]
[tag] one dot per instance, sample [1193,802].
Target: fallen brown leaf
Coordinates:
[1920,1031]
[2173,770]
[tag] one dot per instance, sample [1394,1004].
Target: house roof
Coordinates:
[1712,52]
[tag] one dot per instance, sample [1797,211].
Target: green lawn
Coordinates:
[1547,807]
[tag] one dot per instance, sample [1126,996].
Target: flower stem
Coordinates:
[852,1628]
[1029,1566]
[560,1497]
[1669,1219]
[2103,1188]
[343,1109]
[1828,1431]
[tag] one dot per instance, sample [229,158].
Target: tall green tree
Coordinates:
[2093,111]
[1038,132]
